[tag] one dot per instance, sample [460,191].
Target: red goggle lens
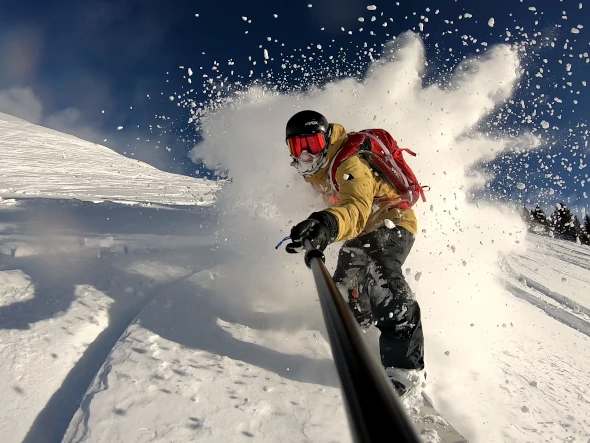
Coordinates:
[313,143]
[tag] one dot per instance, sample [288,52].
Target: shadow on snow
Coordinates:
[180,311]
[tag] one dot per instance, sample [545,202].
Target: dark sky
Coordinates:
[65,62]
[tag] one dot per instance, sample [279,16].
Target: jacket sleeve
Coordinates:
[357,186]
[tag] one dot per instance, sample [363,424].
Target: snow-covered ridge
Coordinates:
[41,162]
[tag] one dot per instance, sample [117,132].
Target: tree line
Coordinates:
[560,224]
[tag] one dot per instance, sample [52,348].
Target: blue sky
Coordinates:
[66,62]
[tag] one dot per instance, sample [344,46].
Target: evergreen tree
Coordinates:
[539,216]
[562,223]
[578,230]
[540,224]
[527,217]
[586,234]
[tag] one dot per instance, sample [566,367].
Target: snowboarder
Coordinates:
[378,236]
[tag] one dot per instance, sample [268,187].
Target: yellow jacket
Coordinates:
[358,209]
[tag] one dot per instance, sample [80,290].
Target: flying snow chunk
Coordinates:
[468,15]
[371,7]
[171,98]
[319,46]
[266,54]
[575,31]
[245,18]
[190,72]
[275,15]
[361,19]
[532,8]
[119,128]
[545,124]
[389,224]
[520,186]
[491,22]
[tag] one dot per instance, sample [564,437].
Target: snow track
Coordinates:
[219,380]
[548,270]
[556,312]
[74,276]
[54,419]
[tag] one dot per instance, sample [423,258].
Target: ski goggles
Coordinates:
[312,143]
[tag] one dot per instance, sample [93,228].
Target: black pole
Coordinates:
[374,412]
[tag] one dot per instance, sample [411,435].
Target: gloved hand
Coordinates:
[321,228]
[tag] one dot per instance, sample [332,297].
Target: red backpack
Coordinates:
[381,151]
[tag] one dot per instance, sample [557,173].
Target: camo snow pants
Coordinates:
[369,269]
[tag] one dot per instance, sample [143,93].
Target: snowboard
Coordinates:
[431,426]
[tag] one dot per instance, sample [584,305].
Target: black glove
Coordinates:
[320,227]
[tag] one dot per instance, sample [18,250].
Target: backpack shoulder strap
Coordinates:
[348,150]
[386,152]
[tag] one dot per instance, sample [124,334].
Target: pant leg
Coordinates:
[393,305]
[352,264]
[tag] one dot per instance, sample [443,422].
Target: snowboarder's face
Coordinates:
[308,152]
[308,164]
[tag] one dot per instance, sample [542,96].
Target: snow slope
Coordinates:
[74,273]
[166,321]
[194,365]
[69,159]
[74,276]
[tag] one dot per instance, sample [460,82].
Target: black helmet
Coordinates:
[306,122]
